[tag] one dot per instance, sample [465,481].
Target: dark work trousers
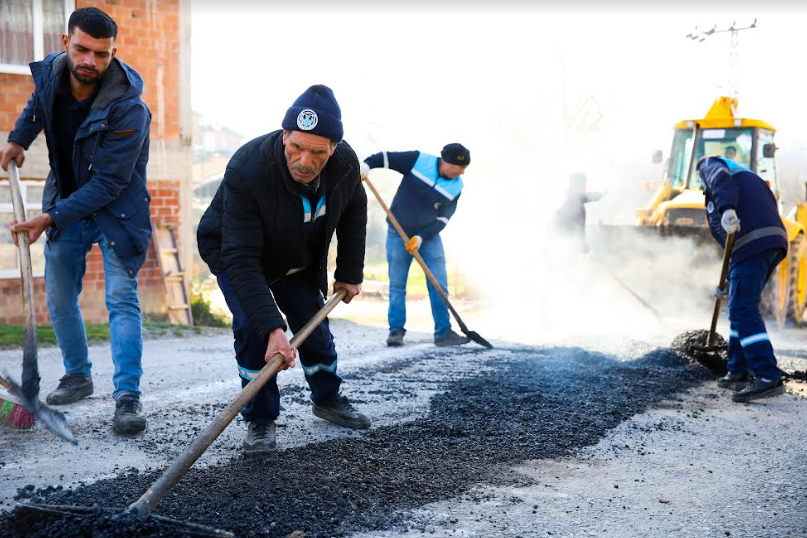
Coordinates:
[750,348]
[298,298]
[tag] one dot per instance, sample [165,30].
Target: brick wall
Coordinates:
[149,41]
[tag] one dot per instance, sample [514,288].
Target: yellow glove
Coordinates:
[414,244]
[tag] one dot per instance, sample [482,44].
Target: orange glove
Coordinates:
[414,244]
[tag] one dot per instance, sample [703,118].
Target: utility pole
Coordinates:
[733,83]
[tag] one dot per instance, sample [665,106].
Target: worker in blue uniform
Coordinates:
[740,202]
[426,199]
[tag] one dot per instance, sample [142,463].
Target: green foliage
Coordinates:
[11,335]
[202,316]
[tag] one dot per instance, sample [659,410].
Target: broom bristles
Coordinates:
[14,415]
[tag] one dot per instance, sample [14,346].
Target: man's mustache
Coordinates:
[303,169]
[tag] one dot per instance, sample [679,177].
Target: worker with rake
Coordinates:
[426,199]
[740,202]
[97,129]
[266,236]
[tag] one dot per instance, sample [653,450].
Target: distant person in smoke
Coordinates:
[426,198]
[266,237]
[740,202]
[731,153]
[571,217]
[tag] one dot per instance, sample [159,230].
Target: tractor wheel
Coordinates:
[797,260]
[776,295]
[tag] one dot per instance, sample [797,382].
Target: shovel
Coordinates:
[27,395]
[470,334]
[710,346]
[28,516]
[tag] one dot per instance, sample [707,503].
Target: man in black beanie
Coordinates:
[266,235]
[426,199]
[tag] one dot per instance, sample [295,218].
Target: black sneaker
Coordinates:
[72,388]
[395,338]
[761,388]
[129,416]
[450,338]
[261,437]
[342,413]
[734,381]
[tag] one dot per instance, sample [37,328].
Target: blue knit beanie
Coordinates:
[317,112]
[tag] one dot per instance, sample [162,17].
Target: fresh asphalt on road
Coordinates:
[450,427]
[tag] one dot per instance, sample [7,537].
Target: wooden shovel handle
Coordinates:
[30,367]
[416,254]
[152,497]
[724,273]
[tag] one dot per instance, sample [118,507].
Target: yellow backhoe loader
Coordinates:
[677,205]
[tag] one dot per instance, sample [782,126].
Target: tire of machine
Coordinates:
[776,295]
[797,261]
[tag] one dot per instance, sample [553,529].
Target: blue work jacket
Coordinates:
[110,154]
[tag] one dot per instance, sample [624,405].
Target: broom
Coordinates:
[12,413]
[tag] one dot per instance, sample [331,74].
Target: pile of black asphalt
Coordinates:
[534,404]
[693,344]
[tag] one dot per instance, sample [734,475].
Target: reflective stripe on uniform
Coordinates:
[748,340]
[247,374]
[759,234]
[311,370]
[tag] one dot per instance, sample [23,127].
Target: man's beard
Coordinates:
[84,79]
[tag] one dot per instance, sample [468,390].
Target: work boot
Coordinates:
[734,381]
[72,388]
[450,338]
[760,388]
[342,413]
[261,437]
[395,338]
[129,416]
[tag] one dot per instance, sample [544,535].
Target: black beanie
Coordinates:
[317,112]
[456,154]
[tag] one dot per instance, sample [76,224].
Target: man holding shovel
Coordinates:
[266,236]
[426,199]
[97,128]
[739,202]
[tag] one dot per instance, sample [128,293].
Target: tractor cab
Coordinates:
[745,141]
[679,200]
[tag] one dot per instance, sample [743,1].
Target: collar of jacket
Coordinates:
[273,153]
[120,80]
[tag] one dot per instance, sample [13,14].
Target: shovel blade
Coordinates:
[30,517]
[56,422]
[707,349]
[473,335]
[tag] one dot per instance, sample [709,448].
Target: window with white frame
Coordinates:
[30,30]
[32,200]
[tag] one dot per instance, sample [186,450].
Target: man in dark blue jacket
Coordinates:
[738,201]
[266,236]
[426,198]
[96,126]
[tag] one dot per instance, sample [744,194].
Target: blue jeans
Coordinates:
[65,264]
[299,298]
[399,261]
[750,349]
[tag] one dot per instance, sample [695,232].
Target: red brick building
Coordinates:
[154,38]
